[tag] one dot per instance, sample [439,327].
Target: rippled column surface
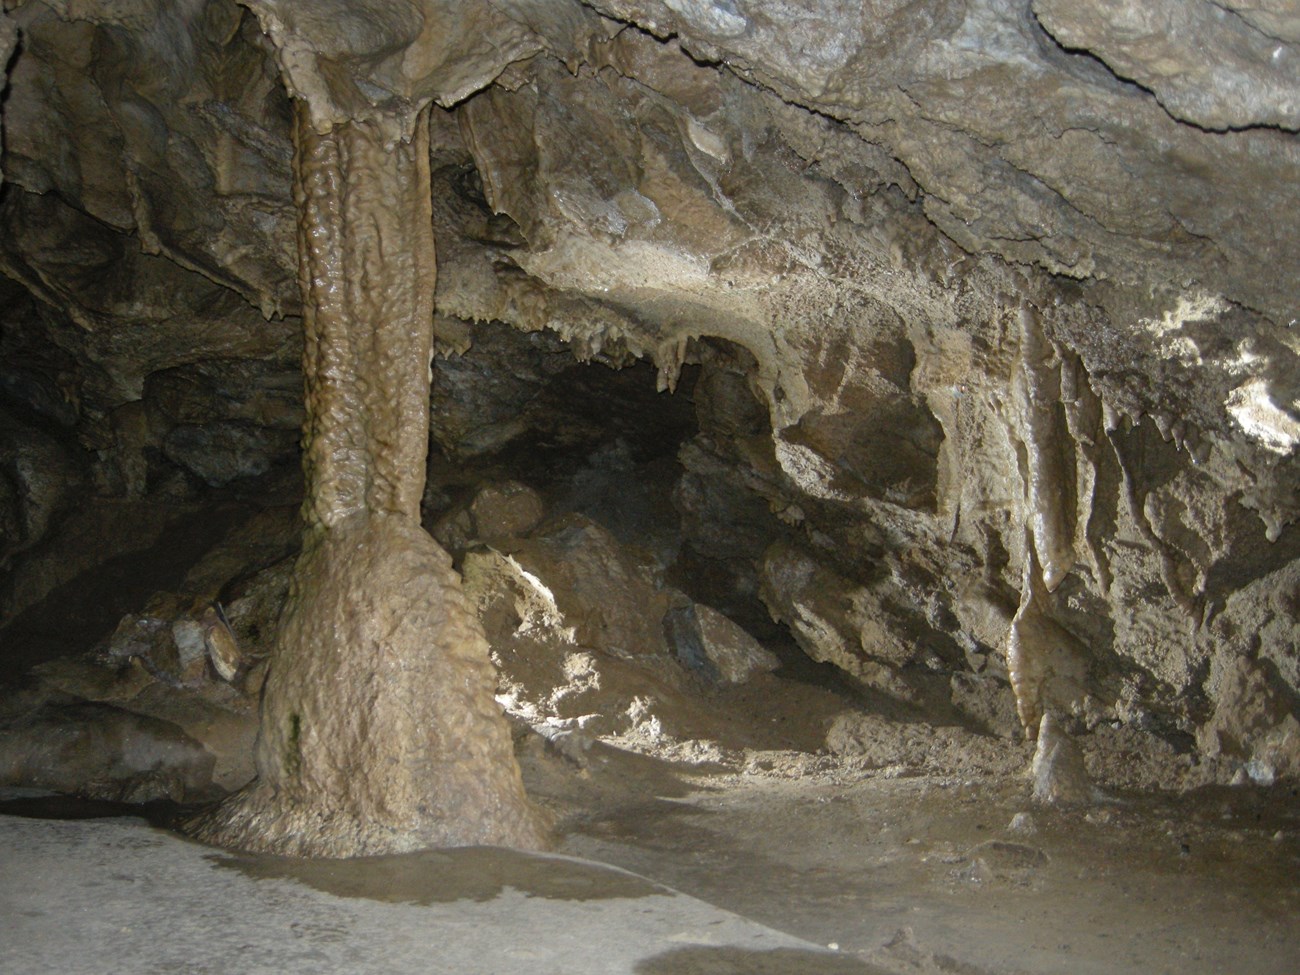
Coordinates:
[380,732]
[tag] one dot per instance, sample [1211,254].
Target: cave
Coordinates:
[665,487]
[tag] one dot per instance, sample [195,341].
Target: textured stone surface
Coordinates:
[606,593]
[588,643]
[735,654]
[105,753]
[379,728]
[396,744]
[1253,79]
[989,305]
[467,912]
[1059,771]
[171,124]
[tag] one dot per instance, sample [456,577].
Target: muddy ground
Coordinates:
[955,874]
[896,871]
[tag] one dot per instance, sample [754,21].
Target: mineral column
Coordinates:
[380,732]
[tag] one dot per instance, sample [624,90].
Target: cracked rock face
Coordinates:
[987,307]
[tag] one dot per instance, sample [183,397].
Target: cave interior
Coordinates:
[836,461]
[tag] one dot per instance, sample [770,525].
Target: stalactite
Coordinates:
[670,357]
[1026,663]
[1036,400]
[1046,663]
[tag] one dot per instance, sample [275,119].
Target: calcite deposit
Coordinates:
[379,729]
[950,345]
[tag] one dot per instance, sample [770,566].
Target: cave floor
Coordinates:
[932,867]
[115,895]
[792,865]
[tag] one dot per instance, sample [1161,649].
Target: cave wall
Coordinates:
[991,300]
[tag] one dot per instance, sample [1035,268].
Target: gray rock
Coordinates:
[103,752]
[736,655]
[225,451]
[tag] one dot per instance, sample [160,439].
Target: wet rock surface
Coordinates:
[515,911]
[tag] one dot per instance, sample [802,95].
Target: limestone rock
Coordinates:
[736,655]
[215,716]
[543,674]
[1022,822]
[1059,773]
[988,701]
[833,620]
[221,644]
[222,452]
[1252,80]
[505,510]
[8,38]
[882,743]
[1254,722]
[962,270]
[607,593]
[551,677]
[214,197]
[496,512]
[105,753]
[38,475]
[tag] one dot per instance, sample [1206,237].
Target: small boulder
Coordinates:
[709,642]
[506,510]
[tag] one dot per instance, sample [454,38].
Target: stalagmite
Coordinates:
[379,728]
[1059,773]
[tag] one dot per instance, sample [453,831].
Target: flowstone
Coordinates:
[379,728]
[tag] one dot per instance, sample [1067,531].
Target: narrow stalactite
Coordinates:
[1036,393]
[1046,664]
[379,729]
[1027,651]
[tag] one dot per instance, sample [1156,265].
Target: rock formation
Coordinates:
[379,731]
[974,324]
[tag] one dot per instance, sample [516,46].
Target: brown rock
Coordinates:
[1059,772]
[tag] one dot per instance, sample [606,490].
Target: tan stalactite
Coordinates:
[380,732]
[1046,664]
[365,237]
[1026,656]
[1036,398]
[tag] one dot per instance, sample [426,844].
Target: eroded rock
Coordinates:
[1059,772]
[102,752]
[997,373]
[1254,721]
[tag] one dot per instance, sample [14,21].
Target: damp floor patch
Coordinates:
[116,895]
